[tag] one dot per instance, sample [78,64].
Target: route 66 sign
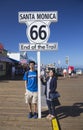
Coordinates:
[38,23]
[38,32]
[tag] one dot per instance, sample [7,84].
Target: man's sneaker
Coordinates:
[30,115]
[35,115]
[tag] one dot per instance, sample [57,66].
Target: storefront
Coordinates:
[4,61]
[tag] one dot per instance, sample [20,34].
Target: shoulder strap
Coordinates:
[26,74]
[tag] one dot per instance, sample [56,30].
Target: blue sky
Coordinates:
[68,31]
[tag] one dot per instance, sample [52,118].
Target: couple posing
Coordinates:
[31,95]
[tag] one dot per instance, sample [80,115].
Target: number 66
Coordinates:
[38,32]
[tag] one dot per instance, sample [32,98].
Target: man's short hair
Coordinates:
[32,62]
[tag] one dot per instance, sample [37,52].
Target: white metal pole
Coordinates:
[39,85]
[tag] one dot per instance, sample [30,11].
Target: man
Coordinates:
[31,95]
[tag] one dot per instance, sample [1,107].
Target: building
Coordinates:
[5,62]
[21,57]
[14,55]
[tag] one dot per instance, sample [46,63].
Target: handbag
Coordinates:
[54,95]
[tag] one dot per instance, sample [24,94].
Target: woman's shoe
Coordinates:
[48,116]
[51,117]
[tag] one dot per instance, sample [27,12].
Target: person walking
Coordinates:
[69,71]
[31,86]
[51,93]
[64,72]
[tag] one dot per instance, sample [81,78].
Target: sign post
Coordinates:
[67,60]
[39,85]
[38,33]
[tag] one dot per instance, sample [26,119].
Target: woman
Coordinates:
[51,93]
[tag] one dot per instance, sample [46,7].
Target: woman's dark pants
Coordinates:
[51,107]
